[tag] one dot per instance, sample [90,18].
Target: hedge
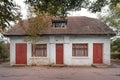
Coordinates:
[115,55]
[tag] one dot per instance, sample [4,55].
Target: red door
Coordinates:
[59,53]
[97,53]
[21,53]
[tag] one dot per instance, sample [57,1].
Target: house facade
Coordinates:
[79,41]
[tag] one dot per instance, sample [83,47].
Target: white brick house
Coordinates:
[80,41]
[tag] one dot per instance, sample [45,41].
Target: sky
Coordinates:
[83,11]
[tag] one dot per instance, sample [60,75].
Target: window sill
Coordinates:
[80,57]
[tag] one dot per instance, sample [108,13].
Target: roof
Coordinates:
[75,25]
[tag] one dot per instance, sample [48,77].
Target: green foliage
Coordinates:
[60,7]
[97,5]
[113,3]
[115,49]
[115,46]
[115,56]
[36,24]
[4,51]
[57,7]
[113,17]
[8,12]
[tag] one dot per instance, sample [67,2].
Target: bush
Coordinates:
[115,55]
[4,51]
[115,46]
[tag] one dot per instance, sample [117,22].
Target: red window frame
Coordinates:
[40,50]
[79,50]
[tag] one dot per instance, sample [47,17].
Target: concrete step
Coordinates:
[100,65]
[19,65]
[57,65]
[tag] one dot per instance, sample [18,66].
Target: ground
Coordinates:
[58,73]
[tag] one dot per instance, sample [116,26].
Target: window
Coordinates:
[40,50]
[59,23]
[80,50]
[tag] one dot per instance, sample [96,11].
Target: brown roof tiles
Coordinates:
[75,25]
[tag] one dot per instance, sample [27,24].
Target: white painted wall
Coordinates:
[67,41]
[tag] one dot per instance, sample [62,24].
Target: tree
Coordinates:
[60,7]
[57,7]
[36,24]
[113,16]
[116,46]
[113,19]
[115,49]
[97,5]
[8,12]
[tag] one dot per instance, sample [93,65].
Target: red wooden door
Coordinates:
[59,53]
[97,53]
[21,53]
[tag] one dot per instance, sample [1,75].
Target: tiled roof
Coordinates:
[75,25]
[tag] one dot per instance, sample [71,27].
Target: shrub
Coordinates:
[4,51]
[115,55]
[115,45]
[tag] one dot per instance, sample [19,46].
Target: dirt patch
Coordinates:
[115,63]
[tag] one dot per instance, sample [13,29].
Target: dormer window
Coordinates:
[59,23]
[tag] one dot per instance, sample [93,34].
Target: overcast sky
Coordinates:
[83,12]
